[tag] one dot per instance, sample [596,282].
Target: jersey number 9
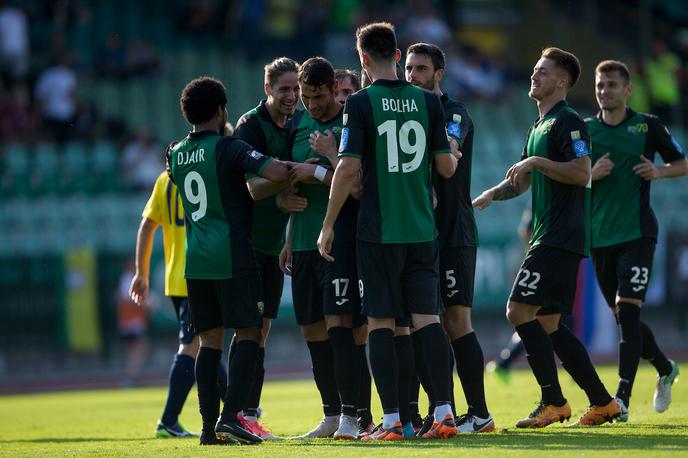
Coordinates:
[199,198]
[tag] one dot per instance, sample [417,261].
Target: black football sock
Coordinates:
[364,382]
[469,365]
[222,380]
[383,362]
[652,353]
[207,362]
[511,352]
[452,401]
[243,362]
[575,359]
[253,400]
[630,347]
[404,349]
[346,368]
[414,391]
[422,372]
[180,381]
[322,360]
[436,354]
[540,356]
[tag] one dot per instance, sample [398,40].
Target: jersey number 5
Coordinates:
[199,197]
[403,140]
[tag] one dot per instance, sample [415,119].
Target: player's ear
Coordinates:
[439,74]
[397,55]
[267,90]
[629,89]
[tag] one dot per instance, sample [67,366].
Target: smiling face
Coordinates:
[546,79]
[284,94]
[317,100]
[612,90]
[421,72]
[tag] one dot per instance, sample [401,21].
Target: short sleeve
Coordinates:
[437,137]
[154,207]
[570,137]
[240,157]
[352,142]
[662,141]
[168,160]
[248,129]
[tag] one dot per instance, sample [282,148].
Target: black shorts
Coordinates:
[457,275]
[547,278]
[624,269]
[186,329]
[342,295]
[231,303]
[272,280]
[399,279]
[308,280]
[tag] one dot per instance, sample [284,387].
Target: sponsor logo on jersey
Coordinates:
[575,135]
[255,154]
[345,118]
[454,130]
[344,140]
[580,148]
[527,293]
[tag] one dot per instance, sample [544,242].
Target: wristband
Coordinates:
[320,173]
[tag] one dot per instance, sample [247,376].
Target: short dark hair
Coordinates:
[341,74]
[279,67]
[609,66]
[200,99]
[566,61]
[378,40]
[427,49]
[317,71]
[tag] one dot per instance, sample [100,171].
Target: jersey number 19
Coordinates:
[403,140]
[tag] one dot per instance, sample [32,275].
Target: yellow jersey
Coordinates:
[165,208]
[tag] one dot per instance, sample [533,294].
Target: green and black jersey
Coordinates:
[561,212]
[454,212]
[621,201]
[307,224]
[209,171]
[257,128]
[395,128]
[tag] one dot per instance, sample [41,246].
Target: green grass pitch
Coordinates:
[121,423]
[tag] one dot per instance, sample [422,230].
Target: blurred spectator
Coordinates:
[142,59]
[471,75]
[424,25]
[54,94]
[110,60]
[663,79]
[142,162]
[199,19]
[132,324]
[14,43]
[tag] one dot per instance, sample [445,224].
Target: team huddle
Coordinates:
[363,198]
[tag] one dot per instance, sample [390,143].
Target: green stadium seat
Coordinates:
[14,179]
[45,168]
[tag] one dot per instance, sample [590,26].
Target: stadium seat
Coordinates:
[15,170]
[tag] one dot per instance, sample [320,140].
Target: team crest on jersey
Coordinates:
[344,140]
[580,148]
[255,154]
[575,135]
[547,125]
[335,130]
[261,307]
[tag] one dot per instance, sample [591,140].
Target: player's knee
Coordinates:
[517,314]
[248,334]
[190,349]
[628,300]
[213,338]
[550,323]
[314,332]
[457,322]
[265,330]
[334,321]
[361,334]
[421,320]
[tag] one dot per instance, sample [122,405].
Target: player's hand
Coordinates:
[484,200]
[325,243]
[289,201]
[138,290]
[285,259]
[325,144]
[454,145]
[519,169]
[602,167]
[303,173]
[646,169]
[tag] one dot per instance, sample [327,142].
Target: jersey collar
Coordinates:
[202,134]
[629,114]
[265,114]
[390,83]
